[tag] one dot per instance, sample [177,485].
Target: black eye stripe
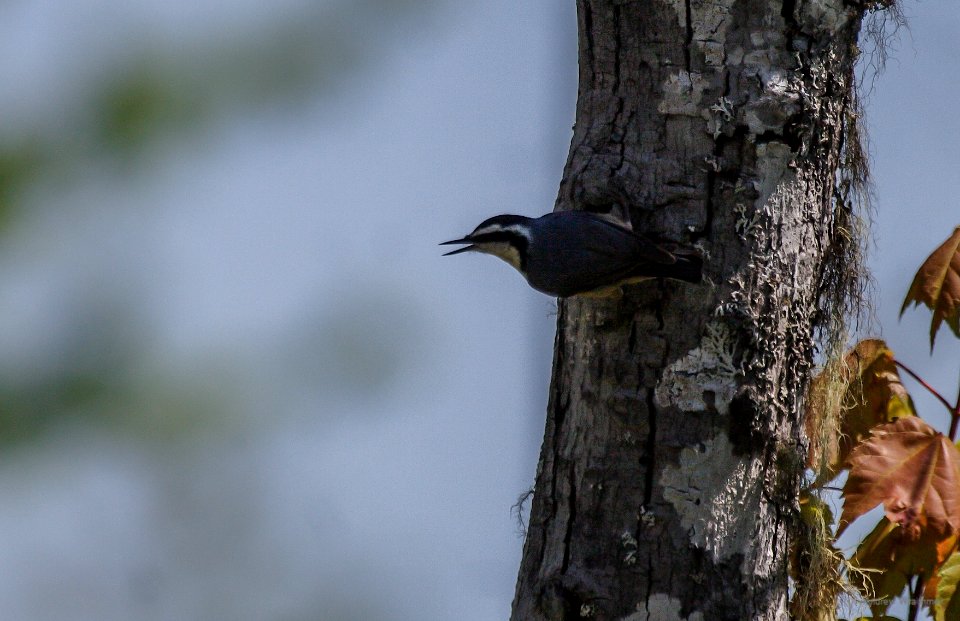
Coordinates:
[500,236]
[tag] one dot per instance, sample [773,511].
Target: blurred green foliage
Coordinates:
[20,164]
[92,377]
[138,106]
[155,94]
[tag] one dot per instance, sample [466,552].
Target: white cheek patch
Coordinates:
[504,251]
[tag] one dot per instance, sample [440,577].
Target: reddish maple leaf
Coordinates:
[937,284]
[914,471]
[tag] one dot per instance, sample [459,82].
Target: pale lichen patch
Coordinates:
[717,497]
[682,93]
[680,6]
[719,116]
[735,56]
[713,52]
[778,103]
[662,607]
[823,15]
[630,546]
[706,372]
[758,60]
[706,25]
[709,22]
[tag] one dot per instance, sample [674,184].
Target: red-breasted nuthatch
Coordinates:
[568,253]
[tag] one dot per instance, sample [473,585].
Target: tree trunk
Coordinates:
[672,457]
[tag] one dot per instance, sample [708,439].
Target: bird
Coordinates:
[569,253]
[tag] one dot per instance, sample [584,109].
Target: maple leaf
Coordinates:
[937,285]
[873,395]
[889,556]
[913,470]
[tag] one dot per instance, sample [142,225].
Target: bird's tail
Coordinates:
[688,268]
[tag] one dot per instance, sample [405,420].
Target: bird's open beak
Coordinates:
[465,240]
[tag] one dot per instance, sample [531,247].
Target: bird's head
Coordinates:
[505,236]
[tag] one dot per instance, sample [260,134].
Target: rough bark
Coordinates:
[668,479]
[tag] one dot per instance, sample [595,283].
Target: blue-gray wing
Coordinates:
[579,252]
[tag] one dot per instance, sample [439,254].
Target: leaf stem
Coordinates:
[941,398]
[956,419]
[956,408]
[916,597]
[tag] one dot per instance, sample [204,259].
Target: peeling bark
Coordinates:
[668,478]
